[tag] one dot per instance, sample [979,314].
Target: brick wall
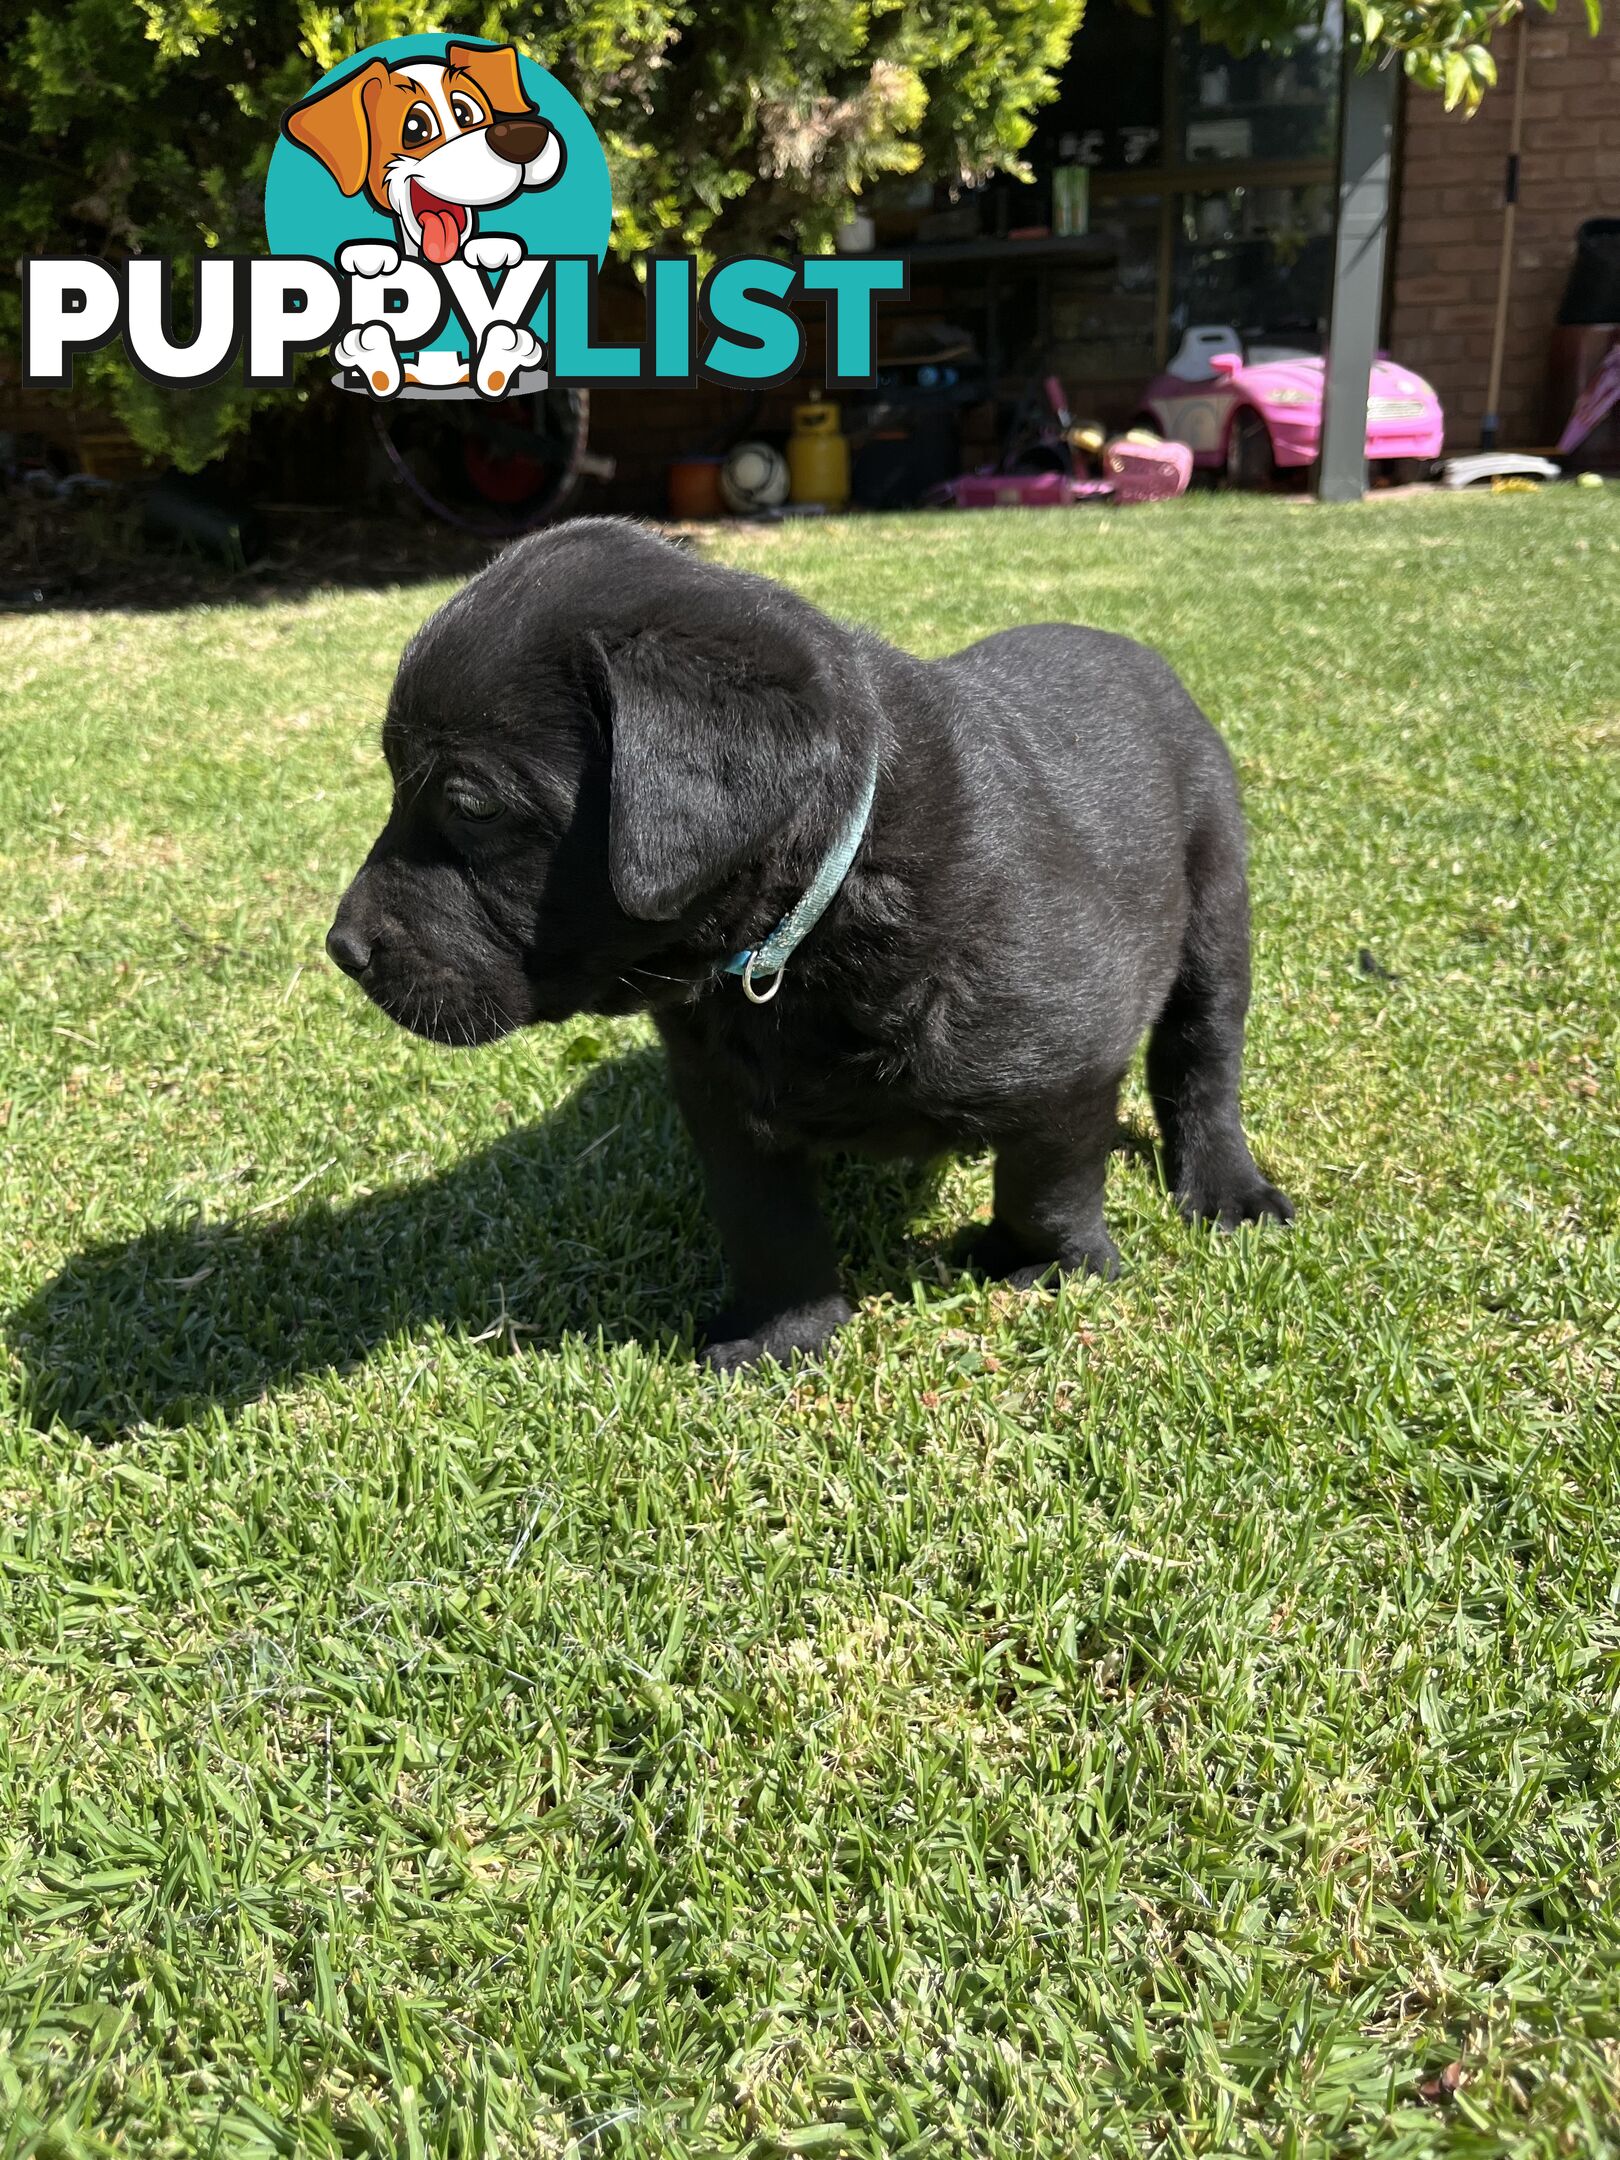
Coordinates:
[1449,219]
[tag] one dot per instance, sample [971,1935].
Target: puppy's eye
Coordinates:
[474,809]
[466,112]
[420,127]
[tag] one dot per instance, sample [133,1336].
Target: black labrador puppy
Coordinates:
[871,902]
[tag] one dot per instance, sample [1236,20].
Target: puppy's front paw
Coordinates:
[735,1355]
[731,1341]
[368,258]
[493,251]
[1230,1201]
[1000,1254]
[370,348]
[504,353]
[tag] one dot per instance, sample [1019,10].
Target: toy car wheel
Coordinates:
[1250,462]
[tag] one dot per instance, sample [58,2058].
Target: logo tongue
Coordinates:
[441,229]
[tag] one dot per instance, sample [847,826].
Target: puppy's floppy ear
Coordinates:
[495,74]
[712,762]
[335,126]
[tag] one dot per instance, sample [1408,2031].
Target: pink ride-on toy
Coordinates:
[1253,418]
[1146,471]
[1044,465]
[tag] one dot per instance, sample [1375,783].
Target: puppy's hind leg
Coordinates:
[1049,1193]
[1195,1052]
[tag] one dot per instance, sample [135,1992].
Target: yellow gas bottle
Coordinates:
[818,455]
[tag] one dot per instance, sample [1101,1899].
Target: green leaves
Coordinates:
[1443,44]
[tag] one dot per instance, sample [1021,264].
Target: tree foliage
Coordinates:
[147,124]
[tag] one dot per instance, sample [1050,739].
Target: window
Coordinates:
[1214,173]
[1257,257]
[1279,104]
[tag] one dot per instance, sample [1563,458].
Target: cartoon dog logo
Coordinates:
[430,144]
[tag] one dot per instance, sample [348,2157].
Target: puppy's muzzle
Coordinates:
[519,142]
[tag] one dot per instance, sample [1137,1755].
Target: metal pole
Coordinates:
[1491,426]
[1366,142]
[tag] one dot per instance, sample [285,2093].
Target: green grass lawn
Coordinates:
[1174,1716]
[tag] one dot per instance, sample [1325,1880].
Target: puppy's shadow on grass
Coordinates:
[589,1221]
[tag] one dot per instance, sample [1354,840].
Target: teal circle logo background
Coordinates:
[307,213]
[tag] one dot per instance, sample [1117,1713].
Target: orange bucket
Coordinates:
[694,488]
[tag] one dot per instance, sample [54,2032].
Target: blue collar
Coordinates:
[772,954]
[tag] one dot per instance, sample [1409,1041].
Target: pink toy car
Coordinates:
[1254,417]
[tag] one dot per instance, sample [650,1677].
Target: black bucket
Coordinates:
[1593,292]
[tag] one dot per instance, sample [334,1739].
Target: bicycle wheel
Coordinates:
[495,471]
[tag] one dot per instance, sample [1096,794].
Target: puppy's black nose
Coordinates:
[351,951]
[518,141]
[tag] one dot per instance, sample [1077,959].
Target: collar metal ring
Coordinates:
[759,997]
